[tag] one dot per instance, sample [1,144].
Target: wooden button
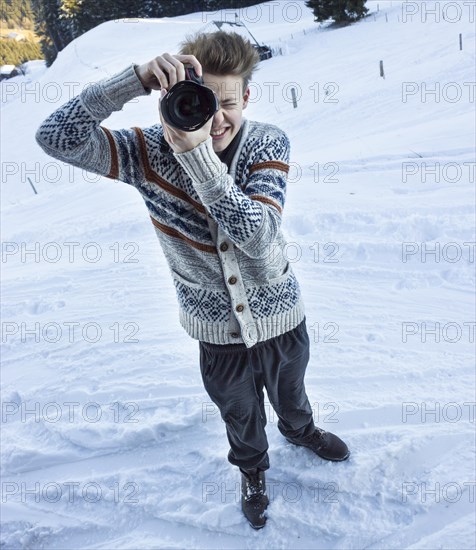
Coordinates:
[240,307]
[232,280]
[224,247]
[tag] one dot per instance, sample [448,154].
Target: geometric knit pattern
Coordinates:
[75,123]
[273,299]
[206,305]
[243,222]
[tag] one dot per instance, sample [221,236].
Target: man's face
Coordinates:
[227,120]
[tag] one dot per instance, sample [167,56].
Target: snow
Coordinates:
[108,437]
[6,69]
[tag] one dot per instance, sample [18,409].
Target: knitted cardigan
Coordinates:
[220,230]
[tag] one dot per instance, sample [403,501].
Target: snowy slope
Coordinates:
[108,437]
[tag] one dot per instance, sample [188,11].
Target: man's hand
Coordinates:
[181,141]
[166,70]
[162,73]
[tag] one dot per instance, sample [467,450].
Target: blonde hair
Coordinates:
[223,53]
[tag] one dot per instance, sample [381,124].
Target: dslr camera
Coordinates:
[189,105]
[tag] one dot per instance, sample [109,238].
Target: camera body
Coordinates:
[189,105]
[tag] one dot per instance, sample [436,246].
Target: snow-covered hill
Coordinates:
[108,437]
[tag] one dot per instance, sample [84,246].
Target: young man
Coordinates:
[215,197]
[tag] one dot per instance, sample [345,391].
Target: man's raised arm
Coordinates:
[74,135]
[251,217]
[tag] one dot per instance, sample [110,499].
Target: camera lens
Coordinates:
[188,106]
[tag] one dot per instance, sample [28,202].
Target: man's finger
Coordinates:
[192,60]
[170,70]
[159,75]
[179,67]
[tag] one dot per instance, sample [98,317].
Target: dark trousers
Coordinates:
[234,376]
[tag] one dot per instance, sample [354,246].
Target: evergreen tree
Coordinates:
[83,15]
[53,31]
[341,11]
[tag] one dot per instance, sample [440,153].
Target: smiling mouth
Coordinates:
[218,134]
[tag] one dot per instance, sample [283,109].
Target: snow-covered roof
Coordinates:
[7,69]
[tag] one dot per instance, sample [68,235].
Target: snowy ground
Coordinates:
[108,437]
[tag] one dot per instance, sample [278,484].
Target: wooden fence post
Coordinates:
[293,95]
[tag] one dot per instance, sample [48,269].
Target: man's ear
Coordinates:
[246,97]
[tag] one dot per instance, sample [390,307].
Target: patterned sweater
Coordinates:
[219,230]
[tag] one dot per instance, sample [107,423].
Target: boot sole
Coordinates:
[257,527]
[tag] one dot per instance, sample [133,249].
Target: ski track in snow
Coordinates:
[126,417]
